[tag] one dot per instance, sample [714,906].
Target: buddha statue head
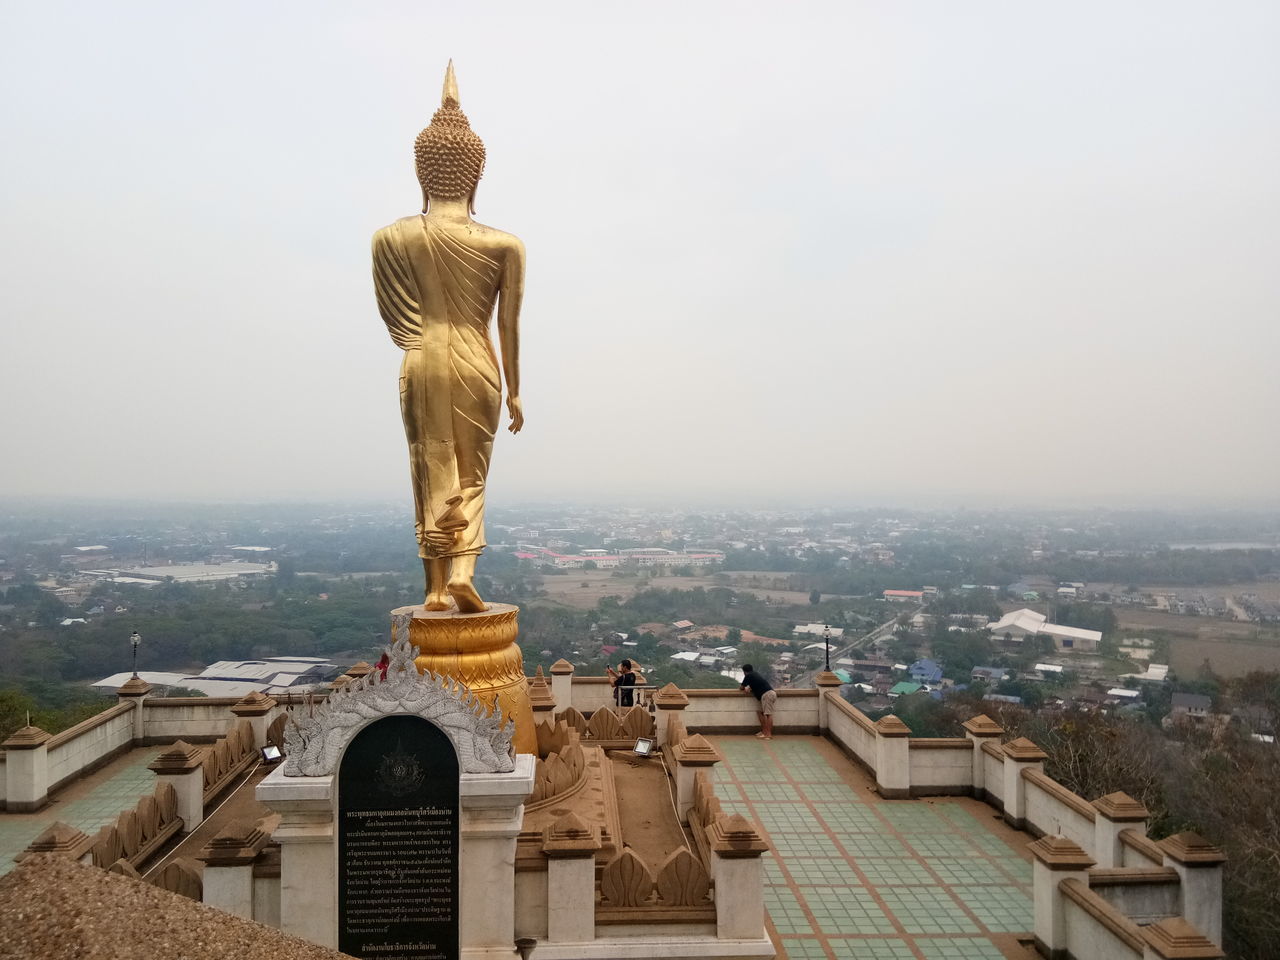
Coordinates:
[448,154]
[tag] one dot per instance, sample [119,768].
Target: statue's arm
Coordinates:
[396,290]
[510,294]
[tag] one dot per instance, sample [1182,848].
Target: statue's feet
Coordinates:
[438,601]
[465,596]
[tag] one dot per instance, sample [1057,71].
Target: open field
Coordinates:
[1204,628]
[1233,648]
[570,590]
[1266,589]
[1227,657]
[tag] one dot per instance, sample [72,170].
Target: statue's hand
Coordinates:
[517,414]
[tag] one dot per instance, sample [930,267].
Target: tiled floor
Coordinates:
[85,805]
[854,877]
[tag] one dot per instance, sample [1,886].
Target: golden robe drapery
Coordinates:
[436,295]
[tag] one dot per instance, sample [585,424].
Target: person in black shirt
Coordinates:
[767,696]
[622,680]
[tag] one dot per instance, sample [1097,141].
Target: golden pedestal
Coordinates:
[479,651]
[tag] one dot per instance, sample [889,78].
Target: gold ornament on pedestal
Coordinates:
[438,277]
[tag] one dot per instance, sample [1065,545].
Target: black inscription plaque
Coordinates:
[398,843]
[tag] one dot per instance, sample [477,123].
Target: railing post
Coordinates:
[1199,866]
[183,766]
[26,770]
[1175,939]
[542,700]
[893,759]
[135,691]
[228,867]
[492,812]
[63,840]
[1019,755]
[825,681]
[257,708]
[1115,812]
[669,701]
[308,867]
[1057,859]
[562,683]
[979,730]
[570,846]
[739,878]
[691,754]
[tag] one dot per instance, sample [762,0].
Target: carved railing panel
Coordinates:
[148,811]
[683,881]
[181,877]
[604,725]
[167,803]
[626,881]
[107,848]
[574,719]
[637,722]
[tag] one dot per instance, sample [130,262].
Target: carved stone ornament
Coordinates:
[315,738]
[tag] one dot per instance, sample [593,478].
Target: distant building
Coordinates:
[1072,638]
[904,688]
[1155,673]
[817,630]
[1017,625]
[904,596]
[1193,705]
[185,572]
[989,674]
[235,678]
[925,671]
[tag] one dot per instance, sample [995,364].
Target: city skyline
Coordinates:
[833,255]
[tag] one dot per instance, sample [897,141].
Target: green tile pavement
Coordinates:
[870,948]
[804,948]
[128,779]
[1005,909]
[853,876]
[846,910]
[926,910]
[955,948]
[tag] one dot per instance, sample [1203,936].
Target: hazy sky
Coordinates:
[895,252]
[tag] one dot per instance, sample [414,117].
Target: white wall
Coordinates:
[1143,902]
[79,748]
[735,710]
[589,694]
[1049,814]
[1086,937]
[855,737]
[941,768]
[182,718]
[993,776]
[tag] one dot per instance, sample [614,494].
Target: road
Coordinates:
[862,643]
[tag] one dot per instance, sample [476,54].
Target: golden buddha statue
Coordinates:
[438,276]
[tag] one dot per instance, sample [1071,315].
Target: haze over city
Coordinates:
[845,253]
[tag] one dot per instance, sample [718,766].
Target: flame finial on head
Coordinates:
[450,96]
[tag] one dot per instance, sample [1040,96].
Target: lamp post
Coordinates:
[826,638]
[135,638]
